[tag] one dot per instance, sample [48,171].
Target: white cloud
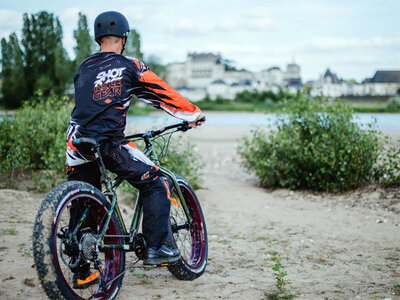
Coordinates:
[334,43]
[347,36]
[247,49]
[384,41]
[135,14]
[69,21]
[10,21]
[258,23]
[222,25]
[245,23]
[187,27]
[69,16]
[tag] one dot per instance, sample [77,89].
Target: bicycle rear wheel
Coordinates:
[191,240]
[57,259]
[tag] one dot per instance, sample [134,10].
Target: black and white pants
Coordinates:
[127,161]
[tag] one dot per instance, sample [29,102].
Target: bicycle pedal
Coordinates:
[164,265]
[149,267]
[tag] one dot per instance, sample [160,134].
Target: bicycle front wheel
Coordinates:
[60,260]
[190,239]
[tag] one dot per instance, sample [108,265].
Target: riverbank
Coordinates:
[334,246]
[389,121]
[366,104]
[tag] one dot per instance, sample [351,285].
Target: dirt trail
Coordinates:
[333,246]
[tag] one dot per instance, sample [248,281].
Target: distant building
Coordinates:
[329,85]
[198,71]
[177,75]
[384,83]
[192,77]
[292,76]
[207,73]
[270,79]
[330,77]
[386,77]
[203,69]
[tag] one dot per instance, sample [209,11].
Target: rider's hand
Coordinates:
[196,122]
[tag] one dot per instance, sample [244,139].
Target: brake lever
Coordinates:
[202,120]
[185,126]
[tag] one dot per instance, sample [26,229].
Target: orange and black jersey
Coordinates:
[104,85]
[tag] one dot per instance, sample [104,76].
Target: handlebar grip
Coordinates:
[203,119]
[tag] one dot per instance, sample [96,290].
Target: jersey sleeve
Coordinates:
[155,91]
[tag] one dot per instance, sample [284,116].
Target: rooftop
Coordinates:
[333,76]
[205,56]
[386,77]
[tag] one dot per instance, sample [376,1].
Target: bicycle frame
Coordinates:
[109,191]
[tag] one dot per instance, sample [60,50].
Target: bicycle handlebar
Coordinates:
[183,126]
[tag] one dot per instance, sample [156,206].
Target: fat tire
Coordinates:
[181,269]
[43,240]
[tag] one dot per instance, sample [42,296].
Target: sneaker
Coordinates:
[162,255]
[84,280]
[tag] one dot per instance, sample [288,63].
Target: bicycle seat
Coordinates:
[86,146]
[84,140]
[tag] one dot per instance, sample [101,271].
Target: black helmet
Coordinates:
[110,23]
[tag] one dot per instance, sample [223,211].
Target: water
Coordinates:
[389,121]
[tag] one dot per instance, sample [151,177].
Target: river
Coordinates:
[386,121]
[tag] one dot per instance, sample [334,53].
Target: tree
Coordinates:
[14,87]
[29,55]
[85,44]
[154,63]
[63,66]
[47,66]
[132,47]
[39,62]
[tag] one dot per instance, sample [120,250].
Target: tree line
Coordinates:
[39,60]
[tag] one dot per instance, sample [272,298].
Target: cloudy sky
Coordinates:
[352,38]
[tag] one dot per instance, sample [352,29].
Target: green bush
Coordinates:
[389,170]
[34,138]
[316,145]
[185,160]
[393,104]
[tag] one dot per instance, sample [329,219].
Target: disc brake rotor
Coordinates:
[68,259]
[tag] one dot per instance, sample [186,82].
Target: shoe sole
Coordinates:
[160,261]
[85,285]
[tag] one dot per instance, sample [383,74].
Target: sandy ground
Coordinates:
[343,246]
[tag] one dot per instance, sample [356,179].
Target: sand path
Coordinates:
[333,246]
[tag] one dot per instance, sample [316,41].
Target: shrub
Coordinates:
[34,137]
[393,104]
[185,160]
[389,170]
[316,145]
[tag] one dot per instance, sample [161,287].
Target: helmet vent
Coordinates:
[110,23]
